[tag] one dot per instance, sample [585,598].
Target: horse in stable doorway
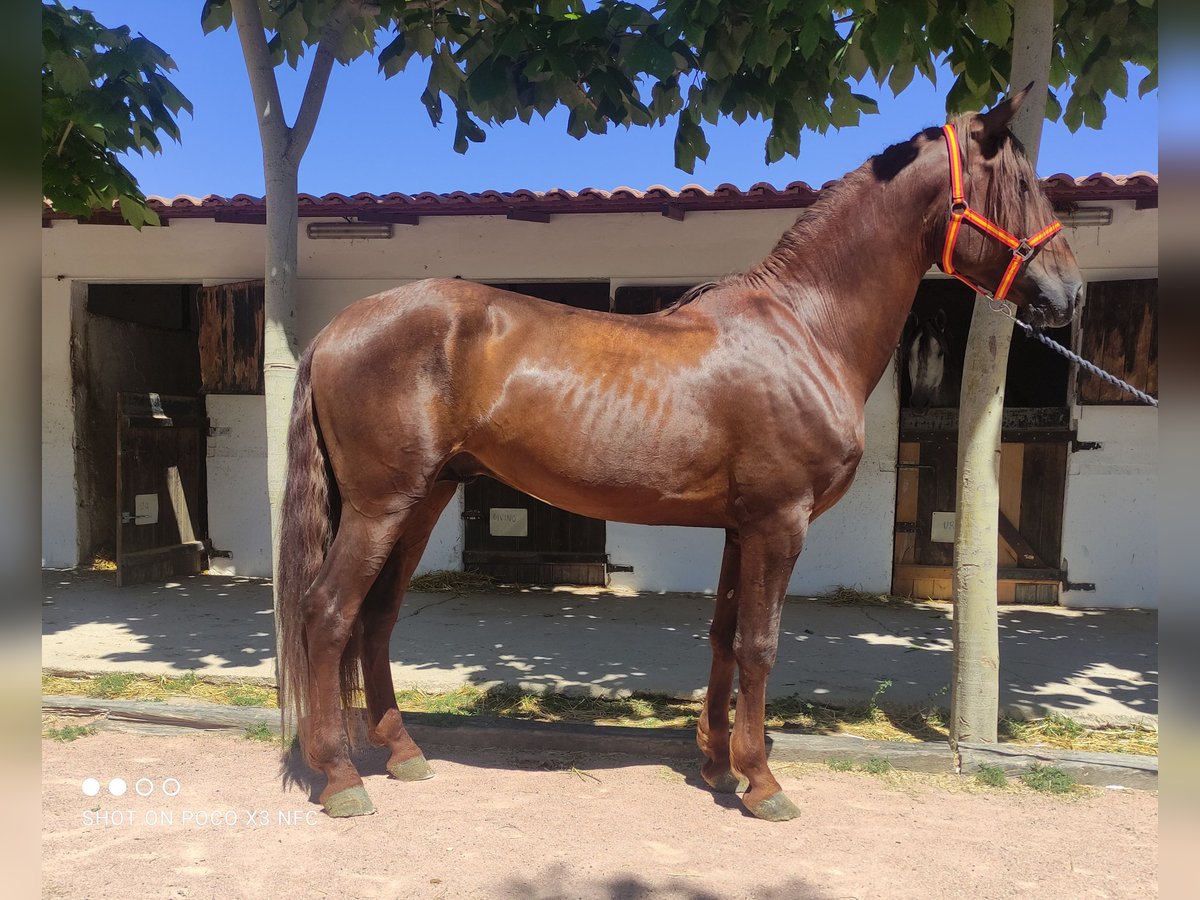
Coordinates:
[934,374]
[740,407]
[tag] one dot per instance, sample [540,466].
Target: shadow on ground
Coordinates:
[1093,664]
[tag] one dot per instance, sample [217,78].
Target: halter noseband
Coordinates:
[1023,250]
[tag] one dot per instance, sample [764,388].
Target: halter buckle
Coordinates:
[1024,251]
[958,208]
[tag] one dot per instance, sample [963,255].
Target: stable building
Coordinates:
[154,423]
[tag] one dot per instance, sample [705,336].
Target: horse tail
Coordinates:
[310,510]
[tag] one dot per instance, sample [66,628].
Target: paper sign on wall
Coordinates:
[508,522]
[942,529]
[145,509]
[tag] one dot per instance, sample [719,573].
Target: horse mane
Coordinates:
[691,294]
[1004,202]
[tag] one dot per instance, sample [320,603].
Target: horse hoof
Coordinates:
[350,802]
[776,808]
[727,783]
[415,769]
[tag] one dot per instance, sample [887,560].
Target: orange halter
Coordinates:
[1023,250]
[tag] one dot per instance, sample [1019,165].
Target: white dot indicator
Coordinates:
[91,787]
[117,787]
[170,786]
[144,787]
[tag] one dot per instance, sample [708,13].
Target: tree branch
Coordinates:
[318,77]
[272,127]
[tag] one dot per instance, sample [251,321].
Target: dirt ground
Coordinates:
[496,824]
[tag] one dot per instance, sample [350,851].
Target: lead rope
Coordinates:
[1084,364]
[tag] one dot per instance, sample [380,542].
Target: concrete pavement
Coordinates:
[1094,665]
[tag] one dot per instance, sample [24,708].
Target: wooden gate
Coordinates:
[1033,470]
[161,516]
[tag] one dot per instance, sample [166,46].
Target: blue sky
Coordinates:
[374,135]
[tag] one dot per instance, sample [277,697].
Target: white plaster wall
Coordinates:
[445,548]
[239,517]
[60,545]
[1110,535]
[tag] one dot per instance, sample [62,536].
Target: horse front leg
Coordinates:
[768,556]
[712,728]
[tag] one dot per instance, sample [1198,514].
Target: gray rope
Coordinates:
[1083,363]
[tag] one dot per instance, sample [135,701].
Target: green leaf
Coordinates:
[72,74]
[854,61]
[395,56]
[900,78]
[1053,107]
[866,104]
[808,39]
[690,144]
[666,99]
[577,124]
[1073,115]
[133,211]
[466,130]
[421,39]
[216,14]
[978,70]
[1149,83]
[889,33]
[650,56]
[488,81]
[992,20]
[1094,112]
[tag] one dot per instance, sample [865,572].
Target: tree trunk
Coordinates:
[283,148]
[280,345]
[974,695]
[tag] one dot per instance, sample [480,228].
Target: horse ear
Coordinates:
[992,126]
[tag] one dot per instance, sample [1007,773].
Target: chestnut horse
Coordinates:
[740,408]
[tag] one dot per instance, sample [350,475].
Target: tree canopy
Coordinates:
[793,62]
[104,93]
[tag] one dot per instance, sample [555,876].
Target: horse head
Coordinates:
[931,371]
[1002,189]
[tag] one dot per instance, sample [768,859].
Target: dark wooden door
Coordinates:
[162,519]
[514,537]
[231,337]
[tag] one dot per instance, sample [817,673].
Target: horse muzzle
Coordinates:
[1053,307]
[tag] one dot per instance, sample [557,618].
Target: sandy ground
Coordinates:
[496,824]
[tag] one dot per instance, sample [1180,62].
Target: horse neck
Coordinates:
[851,267]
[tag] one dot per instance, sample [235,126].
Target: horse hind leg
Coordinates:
[712,728]
[331,609]
[378,616]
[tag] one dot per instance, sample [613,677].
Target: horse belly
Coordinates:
[609,455]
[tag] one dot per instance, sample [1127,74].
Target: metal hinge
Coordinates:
[1076,446]
[472,514]
[616,567]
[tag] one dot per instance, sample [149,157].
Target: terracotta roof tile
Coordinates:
[1063,189]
